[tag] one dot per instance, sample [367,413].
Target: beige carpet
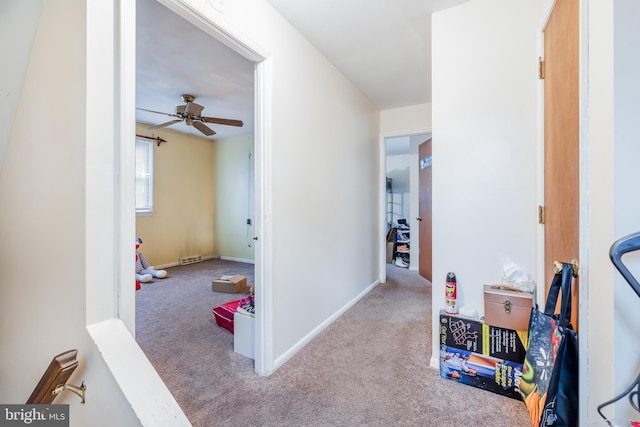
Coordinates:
[369,368]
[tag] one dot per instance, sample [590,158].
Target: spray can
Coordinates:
[451,292]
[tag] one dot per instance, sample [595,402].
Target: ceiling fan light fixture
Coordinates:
[188,98]
[191,114]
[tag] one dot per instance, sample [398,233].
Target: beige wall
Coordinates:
[182,221]
[233,186]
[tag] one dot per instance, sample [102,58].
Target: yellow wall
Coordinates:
[233,183]
[182,221]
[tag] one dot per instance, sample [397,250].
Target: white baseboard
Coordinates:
[228,258]
[434,362]
[315,332]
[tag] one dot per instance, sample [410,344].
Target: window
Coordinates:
[144,176]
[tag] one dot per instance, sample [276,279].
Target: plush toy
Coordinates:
[144,271]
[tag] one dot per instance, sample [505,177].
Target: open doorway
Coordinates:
[202,222]
[401,200]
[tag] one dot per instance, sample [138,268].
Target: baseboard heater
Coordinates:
[190,259]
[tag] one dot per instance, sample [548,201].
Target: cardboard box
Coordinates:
[478,337]
[481,355]
[507,308]
[231,284]
[480,371]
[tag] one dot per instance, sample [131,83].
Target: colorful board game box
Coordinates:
[481,355]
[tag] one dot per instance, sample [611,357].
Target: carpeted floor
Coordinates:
[369,368]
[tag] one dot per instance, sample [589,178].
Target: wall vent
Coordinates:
[190,259]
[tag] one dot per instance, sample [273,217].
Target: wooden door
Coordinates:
[561,141]
[424,210]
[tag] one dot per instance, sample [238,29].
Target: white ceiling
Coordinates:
[382,46]
[173,57]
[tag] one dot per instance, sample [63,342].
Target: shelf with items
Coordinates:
[402,244]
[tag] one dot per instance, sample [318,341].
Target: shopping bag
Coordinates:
[549,383]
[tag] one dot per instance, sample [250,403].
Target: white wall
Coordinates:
[484,132]
[15,43]
[42,226]
[626,203]
[409,120]
[321,123]
[597,278]
[70,209]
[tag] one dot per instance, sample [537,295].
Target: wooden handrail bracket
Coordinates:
[57,374]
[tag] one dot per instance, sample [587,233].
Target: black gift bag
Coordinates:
[549,383]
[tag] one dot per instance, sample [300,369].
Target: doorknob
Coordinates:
[418,218]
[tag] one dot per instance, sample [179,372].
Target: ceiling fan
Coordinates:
[190,113]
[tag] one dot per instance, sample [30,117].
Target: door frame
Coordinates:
[382,211]
[229,36]
[214,25]
[583,227]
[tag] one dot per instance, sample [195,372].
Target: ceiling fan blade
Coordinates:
[193,109]
[158,112]
[166,124]
[228,122]
[203,128]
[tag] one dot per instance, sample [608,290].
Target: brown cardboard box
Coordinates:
[507,308]
[231,284]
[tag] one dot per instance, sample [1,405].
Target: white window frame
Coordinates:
[147,210]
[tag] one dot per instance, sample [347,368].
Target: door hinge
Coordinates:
[540,214]
[541,68]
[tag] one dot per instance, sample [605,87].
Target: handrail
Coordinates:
[54,380]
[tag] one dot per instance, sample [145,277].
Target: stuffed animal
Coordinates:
[144,271]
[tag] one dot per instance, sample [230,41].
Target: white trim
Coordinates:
[583,200]
[214,24]
[125,148]
[540,273]
[263,271]
[152,402]
[321,327]
[244,260]
[382,209]
[434,362]
[548,8]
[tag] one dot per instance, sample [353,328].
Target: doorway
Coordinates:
[401,195]
[250,148]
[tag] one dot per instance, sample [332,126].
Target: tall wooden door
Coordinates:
[424,210]
[561,140]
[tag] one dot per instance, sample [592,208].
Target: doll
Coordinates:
[144,271]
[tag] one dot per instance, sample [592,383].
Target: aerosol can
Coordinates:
[451,292]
